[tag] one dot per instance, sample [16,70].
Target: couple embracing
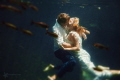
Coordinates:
[70,35]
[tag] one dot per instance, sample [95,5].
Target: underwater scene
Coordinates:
[27,40]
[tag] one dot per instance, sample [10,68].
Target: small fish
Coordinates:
[33,7]
[3,6]
[18,2]
[49,67]
[97,69]
[51,34]
[26,32]
[101,68]
[100,46]
[10,25]
[9,7]
[41,24]
[24,5]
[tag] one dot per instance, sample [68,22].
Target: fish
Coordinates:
[49,67]
[51,34]
[24,5]
[26,32]
[100,46]
[33,7]
[40,24]
[9,7]
[97,69]
[2,6]
[101,68]
[10,25]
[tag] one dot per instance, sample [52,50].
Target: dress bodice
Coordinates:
[82,54]
[77,35]
[86,64]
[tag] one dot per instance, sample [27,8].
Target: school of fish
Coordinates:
[24,5]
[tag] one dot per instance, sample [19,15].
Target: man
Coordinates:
[68,60]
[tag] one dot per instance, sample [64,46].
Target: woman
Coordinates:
[88,68]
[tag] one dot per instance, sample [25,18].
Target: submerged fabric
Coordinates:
[68,62]
[87,65]
[57,28]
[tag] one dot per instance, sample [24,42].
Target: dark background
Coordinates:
[29,55]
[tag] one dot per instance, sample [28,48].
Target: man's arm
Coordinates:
[66,45]
[59,39]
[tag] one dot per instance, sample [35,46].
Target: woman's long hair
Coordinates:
[76,26]
[79,29]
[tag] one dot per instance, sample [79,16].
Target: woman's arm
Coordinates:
[66,45]
[75,46]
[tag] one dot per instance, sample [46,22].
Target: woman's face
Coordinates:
[70,27]
[73,22]
[76,21]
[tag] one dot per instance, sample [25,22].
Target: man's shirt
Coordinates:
[57,28]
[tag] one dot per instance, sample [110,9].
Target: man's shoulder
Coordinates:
[57,27]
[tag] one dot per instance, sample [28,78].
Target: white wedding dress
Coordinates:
[88,73]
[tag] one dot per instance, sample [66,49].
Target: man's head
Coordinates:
[63,19]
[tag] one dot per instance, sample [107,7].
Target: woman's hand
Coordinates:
[66,45]
[84,36]
[64,48]
[87,32]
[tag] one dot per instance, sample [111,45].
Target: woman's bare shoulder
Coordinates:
[71,33]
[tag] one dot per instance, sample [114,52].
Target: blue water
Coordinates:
[29,55]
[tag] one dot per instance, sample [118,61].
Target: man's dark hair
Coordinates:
[63,18]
